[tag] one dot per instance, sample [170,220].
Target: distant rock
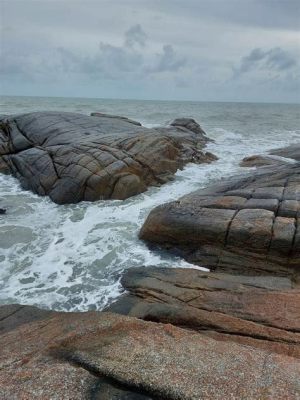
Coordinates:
[292,151]
[100,114]
[263,160]
[72,157]
[277,157]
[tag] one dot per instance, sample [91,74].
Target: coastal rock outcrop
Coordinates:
[67,355]
[259,311]
[72,157]
[292,151]
[248,225]
[264,160]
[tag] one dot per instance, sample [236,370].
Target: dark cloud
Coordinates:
[170,44]
[275,59]
[135,35]
[167,61]
[107,62]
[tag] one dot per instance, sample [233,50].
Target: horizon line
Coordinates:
[154,100]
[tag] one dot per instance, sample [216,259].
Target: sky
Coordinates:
[199,50]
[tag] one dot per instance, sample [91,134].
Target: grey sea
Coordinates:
[71,257]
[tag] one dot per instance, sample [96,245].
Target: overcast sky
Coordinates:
[207,50]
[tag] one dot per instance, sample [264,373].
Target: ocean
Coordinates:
[70,257]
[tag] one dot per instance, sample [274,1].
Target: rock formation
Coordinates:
[292,151]
[179,334]
[72,157]
[264,160]
[259,311]
[67,355]
[249,224]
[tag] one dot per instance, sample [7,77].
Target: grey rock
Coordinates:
[292,152]
[72,157]
[247,224]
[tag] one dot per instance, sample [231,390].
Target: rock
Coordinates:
[248,225]
[67,355]
[2,211]
[188,124]
[292,152]
[263,160]
[261,311]
[72,157]
[14,315]
[100,114]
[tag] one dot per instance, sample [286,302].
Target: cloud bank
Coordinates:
[149,49]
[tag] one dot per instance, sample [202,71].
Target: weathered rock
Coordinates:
[73,157]
[263,160]
[100,114]
[262,311]
[14,315]
[292,151]
[65,355]
[244,225]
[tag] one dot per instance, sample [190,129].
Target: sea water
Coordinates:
[71,257]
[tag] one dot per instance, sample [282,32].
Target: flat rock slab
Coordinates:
[63,356]
[263,312]
[247,225]
[72,157]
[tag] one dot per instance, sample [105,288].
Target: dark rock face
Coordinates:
[245,225]
[67,356]
[73,157]
[262,311]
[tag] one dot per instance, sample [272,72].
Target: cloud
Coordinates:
[135,35]
[275,59]
[129,60]
[167,61]
[151,49]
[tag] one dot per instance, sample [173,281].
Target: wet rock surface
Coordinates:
[72,157]
[67,355]
[248,225]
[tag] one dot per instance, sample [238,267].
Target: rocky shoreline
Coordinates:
[230,333]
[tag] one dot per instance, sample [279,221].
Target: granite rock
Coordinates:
[72,157]
[248,224]
[67,355]
[259,311]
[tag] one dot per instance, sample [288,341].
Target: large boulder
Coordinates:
[72,157]
[244,225]
[262,311]
[67,355]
